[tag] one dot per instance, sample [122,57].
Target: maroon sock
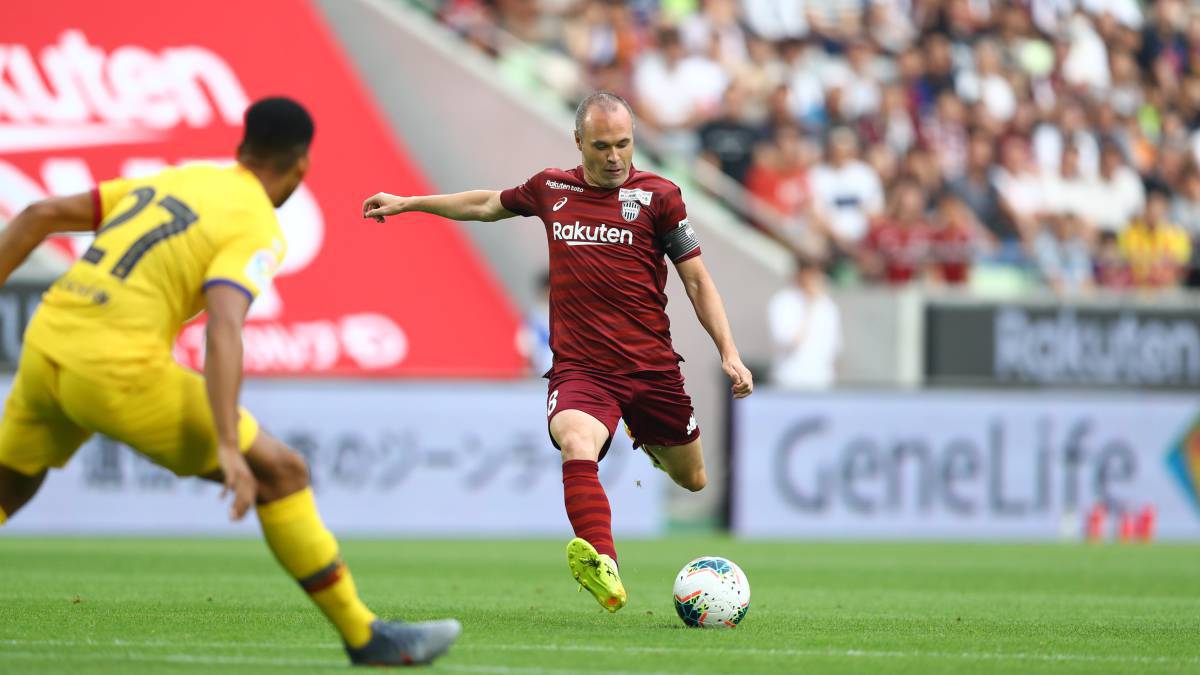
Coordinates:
[587,505]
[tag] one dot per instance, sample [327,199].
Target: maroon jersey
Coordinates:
[607,268]
[903,247]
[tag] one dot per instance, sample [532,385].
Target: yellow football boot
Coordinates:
[597,573]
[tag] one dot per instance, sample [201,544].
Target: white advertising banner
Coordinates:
[967,465]
[417,459]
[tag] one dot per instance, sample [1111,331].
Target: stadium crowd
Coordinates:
[911,140]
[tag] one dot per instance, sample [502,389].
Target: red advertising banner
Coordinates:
[92,90]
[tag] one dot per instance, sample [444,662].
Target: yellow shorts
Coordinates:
[164,415]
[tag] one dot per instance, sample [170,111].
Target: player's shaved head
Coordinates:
[277,133]
[601,100]
[604,136]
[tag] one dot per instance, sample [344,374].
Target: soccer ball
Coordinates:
[712,592]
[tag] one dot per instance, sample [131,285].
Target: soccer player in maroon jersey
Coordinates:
[609,227]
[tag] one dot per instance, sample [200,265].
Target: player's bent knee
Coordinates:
[292,468]
[694,481]
[577,446]
[577,442]
[280,470]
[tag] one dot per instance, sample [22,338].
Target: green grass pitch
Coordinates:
[197,606]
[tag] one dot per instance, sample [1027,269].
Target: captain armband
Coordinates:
[680,241]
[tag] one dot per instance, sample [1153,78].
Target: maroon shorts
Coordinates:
[656,409]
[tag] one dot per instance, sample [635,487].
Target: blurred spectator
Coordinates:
[475,21]
[1121,196]
[1068,194]
[728,141]
[1127,95]
[890,25]
[920,165]
[856,81]
[945,134]
[676,92]
[893,125]
[1165,34]
[780,174]
[1185,212]
[601,34]
[987,84]
[715,31]
[535,332]
[1062,255]
[1022,197]
[1067,127]
[759,76]
[1086,65]
[919,88]
[806,92]
[898,248]
[1111,271]
[939,64]
[805,330]
[957,238]
[847,190]
[776,19]
[976,190]
[1157,250]
[1185,207]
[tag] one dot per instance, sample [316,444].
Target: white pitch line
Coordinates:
[303,663]
[179,658]
[732,651]
[853,653]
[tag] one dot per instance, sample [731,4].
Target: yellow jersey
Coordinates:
[160,242]
[1156,255]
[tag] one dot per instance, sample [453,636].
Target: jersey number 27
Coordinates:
[181,217]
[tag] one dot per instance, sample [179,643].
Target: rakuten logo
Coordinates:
[555,185]
[77,95]
[591,235]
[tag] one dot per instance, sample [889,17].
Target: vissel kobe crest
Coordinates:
[632,202]
[630,210]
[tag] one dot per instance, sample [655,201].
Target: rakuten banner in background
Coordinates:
[92,90]
[967,465]
[416,459]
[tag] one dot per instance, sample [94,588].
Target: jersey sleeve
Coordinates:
[106,196]
[675,234]
[523,199]
[247,262]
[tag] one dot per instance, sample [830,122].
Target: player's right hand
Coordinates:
[740,375]
[238,479]
[382,204]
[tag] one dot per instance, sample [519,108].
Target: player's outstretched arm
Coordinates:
[74,213]
[711,311]
[227,307]
[480,205]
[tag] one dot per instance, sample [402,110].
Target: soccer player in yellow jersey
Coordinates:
[97,356]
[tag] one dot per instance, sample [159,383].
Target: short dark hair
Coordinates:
[606,100]
[277,132]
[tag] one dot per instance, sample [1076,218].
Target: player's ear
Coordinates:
[301,166]
[578,141]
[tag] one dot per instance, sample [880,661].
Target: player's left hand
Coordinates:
[743,379]
[238,479]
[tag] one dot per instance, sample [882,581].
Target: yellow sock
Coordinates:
[3,516]
[300,542]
